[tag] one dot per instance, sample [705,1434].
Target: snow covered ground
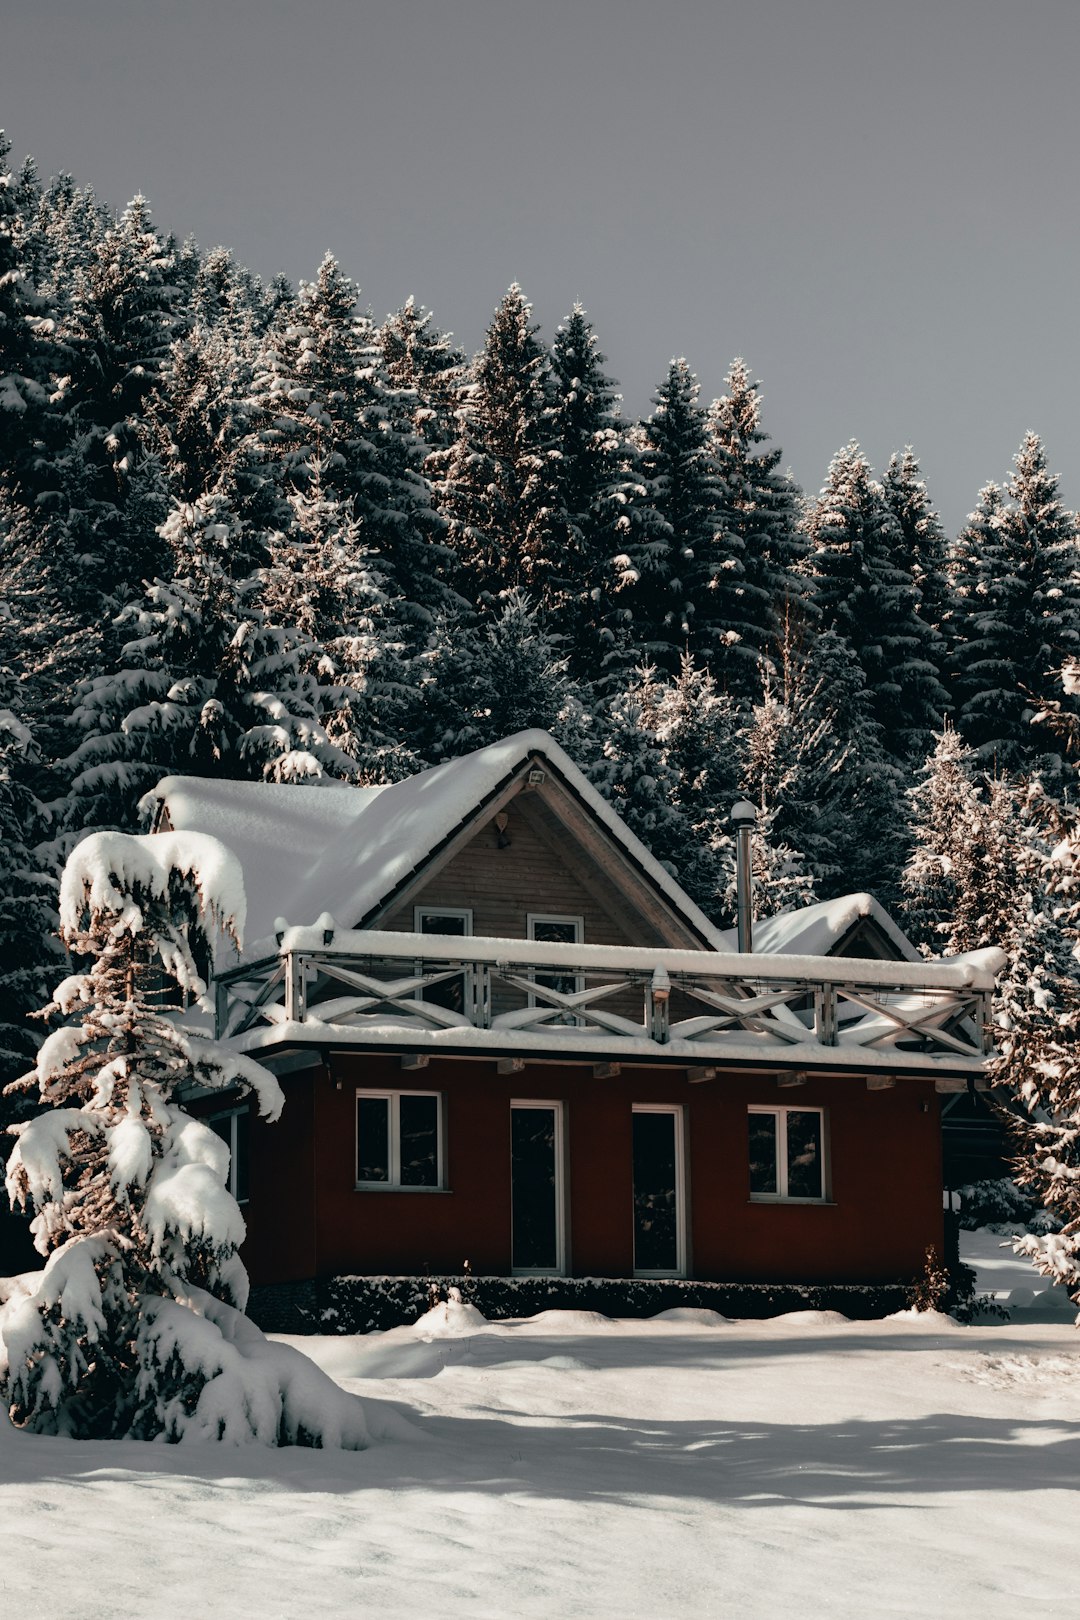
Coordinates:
[569,1465]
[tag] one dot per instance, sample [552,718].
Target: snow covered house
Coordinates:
[506,1035]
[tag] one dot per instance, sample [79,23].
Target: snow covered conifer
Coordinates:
[1023,621]
[687,564]
[500,487]
[944,813]
[133,1328]
[762,516]
[866,593]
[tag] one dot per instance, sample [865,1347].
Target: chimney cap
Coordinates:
[743,814]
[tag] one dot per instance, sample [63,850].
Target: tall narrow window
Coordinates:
[787,1154]
[398,1139]
[659,1217]
[552,929]
[536,1193]
[444,921]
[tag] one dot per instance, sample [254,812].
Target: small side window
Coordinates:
[399,1139]
[787,1154]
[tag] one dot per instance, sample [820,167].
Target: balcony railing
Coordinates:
[412,989]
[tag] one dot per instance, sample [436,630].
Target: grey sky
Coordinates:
[872,200]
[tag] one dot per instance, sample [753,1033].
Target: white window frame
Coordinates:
[393,1098]
[419,913]
[561,1247]
[534,917]
[680,1186]
[780,1111]
[232,1114]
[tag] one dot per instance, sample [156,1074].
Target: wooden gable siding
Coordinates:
[542,869]
[502,886]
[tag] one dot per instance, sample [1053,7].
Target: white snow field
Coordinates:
[571,1465]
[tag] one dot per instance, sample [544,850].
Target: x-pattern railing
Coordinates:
[422,983]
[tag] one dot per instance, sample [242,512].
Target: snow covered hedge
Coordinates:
[372,1304]
[134,1327]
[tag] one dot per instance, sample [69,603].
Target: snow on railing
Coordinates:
[423,986]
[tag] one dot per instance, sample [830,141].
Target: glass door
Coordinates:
[536,1195]
[659,1244]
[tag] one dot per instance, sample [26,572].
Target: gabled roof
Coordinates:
[350,852]
[824,928]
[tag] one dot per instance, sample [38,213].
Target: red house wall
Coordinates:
[306,1217]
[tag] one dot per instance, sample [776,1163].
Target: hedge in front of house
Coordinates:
[372,1304]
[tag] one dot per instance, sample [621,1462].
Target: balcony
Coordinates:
[426,994]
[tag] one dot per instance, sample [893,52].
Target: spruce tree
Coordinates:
[500,489]
[864,593]
[687,564]
[923,549]
[762,509]
[133,1329]
[1021,620]
[945,812]
[479,680]
[592,494]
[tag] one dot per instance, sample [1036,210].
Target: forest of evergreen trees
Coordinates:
[246,530]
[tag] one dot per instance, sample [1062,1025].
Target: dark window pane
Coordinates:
[557,933]
[656,1234]
[762,1153]
[804,1153]
[419,1123]
[534,1243]
[372,1139]
[437,922]
[451,992]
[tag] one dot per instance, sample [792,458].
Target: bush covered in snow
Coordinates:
[134,1327]
[1001,1203]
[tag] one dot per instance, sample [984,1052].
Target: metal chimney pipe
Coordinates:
[744,820]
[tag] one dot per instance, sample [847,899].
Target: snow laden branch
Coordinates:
[134,1327]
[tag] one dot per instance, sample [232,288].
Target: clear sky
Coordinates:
[873,201]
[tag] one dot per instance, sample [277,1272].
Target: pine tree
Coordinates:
[814,763]
[500,488]
[482,681]
[762,508]
[944,815]
[1021,619]
[133,1328]
[123,319]
[423,363]
[1037,1017]
[592,493]
[686,564]
[923,550]
[209,683]
[320,401]
[865,594]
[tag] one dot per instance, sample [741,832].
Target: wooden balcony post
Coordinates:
[295,1009]
[479,1000]
[825,1014]
[657,1016]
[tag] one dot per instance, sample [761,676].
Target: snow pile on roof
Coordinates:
[346,850]
[816,930]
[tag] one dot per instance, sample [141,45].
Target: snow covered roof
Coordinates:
[819,929]
[326,847]
[330,848]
